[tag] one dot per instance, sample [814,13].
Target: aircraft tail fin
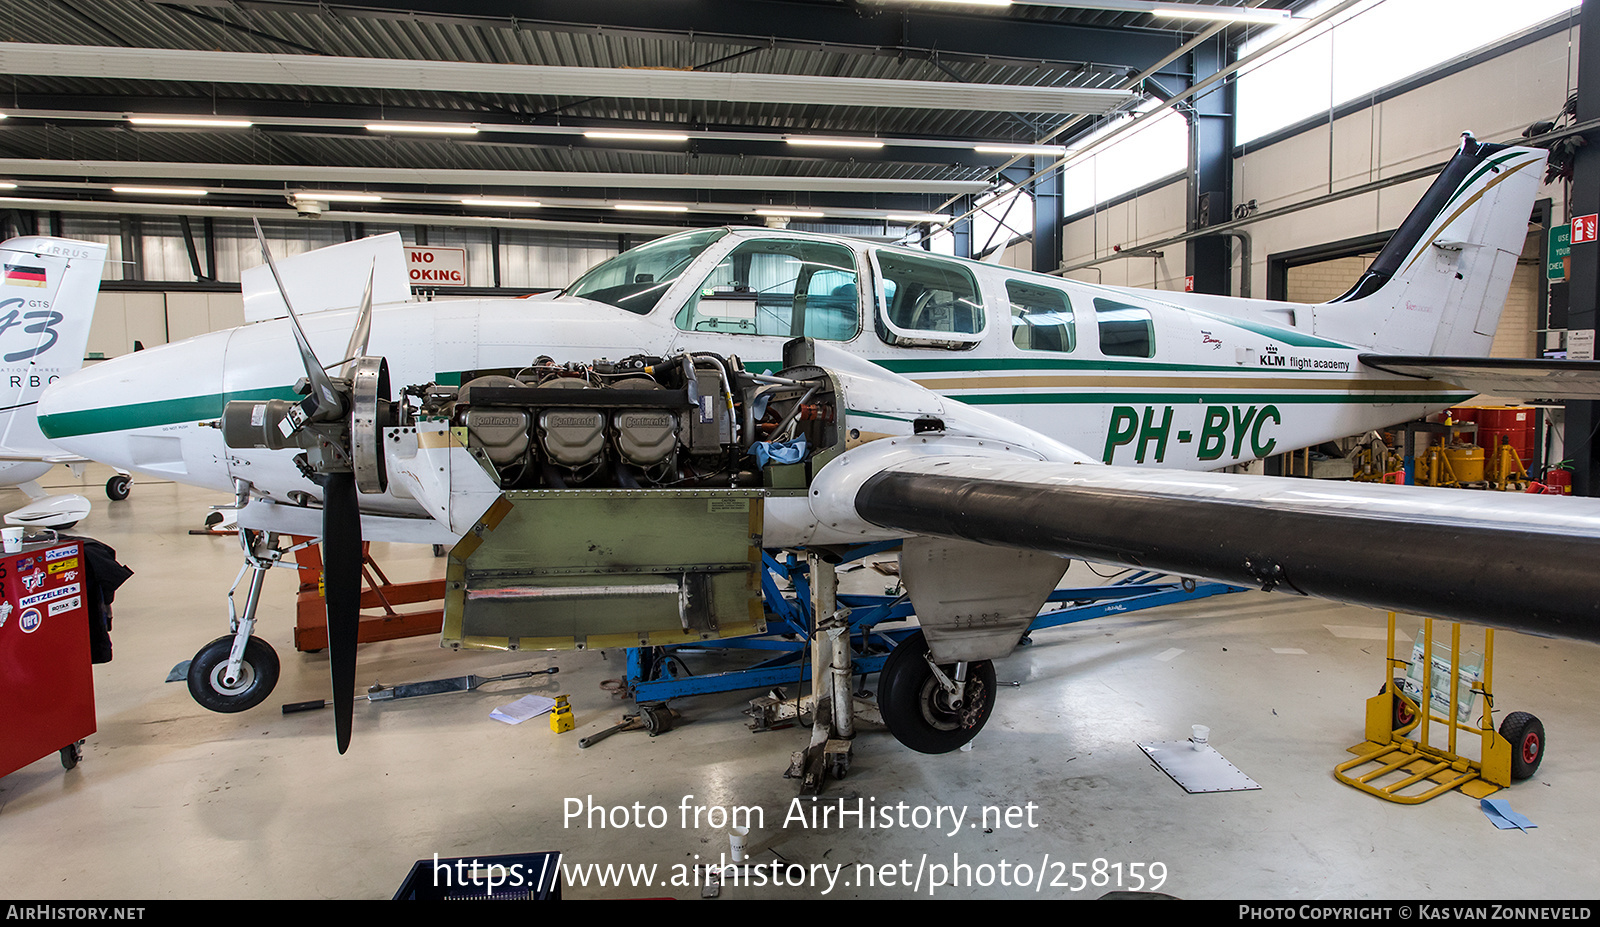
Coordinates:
[48,288]
[1439,285]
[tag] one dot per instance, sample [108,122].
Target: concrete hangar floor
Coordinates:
[173,801]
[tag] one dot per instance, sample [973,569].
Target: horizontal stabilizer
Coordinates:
[1523,378]
[1515,561]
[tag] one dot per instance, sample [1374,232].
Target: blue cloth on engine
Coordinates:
[779,452]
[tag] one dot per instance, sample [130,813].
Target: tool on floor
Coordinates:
[381,693]
[656,718]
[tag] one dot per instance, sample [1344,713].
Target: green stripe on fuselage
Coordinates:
[151,414]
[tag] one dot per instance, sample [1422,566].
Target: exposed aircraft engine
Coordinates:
[642,422]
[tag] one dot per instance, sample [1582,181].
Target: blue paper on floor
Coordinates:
[179,673]
[1499,811]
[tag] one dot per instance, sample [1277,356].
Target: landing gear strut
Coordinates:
[934,708]
[238,671]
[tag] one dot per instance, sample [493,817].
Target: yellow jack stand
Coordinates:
[561,716]
[1392,714]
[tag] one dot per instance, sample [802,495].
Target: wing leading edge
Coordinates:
[1519,562]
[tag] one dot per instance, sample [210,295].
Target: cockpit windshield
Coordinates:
[634,280]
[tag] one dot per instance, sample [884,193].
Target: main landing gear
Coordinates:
[932,708]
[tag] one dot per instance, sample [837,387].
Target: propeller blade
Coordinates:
[363,327]
[329,405]
[341,565]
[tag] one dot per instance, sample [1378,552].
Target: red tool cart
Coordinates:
[46,681]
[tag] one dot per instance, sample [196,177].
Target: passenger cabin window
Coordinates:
[1041,318]
[782,287]
[928,301]
[635,280]
[1125,331]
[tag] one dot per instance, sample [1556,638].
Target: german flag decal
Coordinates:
[22,275]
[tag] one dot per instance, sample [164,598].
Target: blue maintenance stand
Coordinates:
[659,673]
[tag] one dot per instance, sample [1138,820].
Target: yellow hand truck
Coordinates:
[1434,677]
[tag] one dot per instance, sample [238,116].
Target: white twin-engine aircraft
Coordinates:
[47,295]
[610,461]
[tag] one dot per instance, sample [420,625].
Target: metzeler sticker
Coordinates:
[60,552]
[50,596]
[30,620]
[60,565]
[65,605]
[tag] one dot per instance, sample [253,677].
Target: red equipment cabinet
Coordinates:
[46,680]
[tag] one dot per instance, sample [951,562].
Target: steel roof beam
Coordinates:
[850,28]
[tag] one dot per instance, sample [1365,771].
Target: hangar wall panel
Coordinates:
[1495,100]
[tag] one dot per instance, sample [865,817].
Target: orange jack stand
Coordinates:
[311,620]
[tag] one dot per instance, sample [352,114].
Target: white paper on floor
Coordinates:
[1202,770]
[529,706]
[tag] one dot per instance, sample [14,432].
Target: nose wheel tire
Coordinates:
[117,487]
[917,709]
[258,675]
[1526,734]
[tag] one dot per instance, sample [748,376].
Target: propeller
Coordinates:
[338,426]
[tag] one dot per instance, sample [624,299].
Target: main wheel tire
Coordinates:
[258,675]
[916,709]
[117,487]
[1526,734]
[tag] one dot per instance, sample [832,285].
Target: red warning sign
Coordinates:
[436,267]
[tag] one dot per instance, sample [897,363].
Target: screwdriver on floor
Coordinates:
[379,693]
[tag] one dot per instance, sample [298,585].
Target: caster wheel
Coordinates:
[117,487]
[1526,734]
[918,712]
[71,755]
[1404,715]
[258,674]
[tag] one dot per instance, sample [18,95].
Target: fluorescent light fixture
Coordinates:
[1056,150]
[833,142]
[652,207]
[488,201]
[965,2]
[638,136]
[7,185]
[196,121]
[790,213]
[423,128]
[161,191]
[333,196]
[1239,14]
[917,217]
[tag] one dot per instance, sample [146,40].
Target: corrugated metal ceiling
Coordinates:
[472,33]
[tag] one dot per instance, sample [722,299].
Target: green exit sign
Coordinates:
[1560,253]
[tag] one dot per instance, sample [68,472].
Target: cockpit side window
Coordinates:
[927,296]
[1041,318]
[783,287]
[635,280]
[1125,331]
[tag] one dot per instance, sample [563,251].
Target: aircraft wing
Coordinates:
[9,456]
[1531,378]
[1511,560]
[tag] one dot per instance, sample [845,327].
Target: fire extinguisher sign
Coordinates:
[1584,228]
